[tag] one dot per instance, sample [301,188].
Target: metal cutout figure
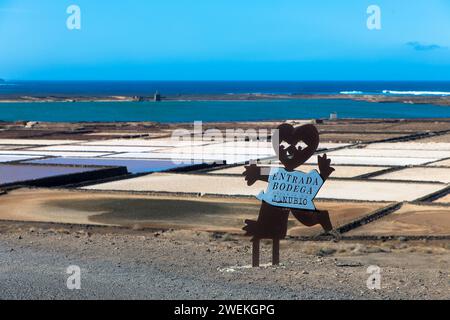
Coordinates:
[288,191]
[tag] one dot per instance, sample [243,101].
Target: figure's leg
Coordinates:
[325,221]
[276,252]
[272,223]
[312,218]
[255,253]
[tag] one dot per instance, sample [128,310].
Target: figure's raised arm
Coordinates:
[254,173]
[325,167]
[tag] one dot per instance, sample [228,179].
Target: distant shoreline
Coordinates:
[407,99]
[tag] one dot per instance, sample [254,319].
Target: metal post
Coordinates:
[276,252]
[255,259]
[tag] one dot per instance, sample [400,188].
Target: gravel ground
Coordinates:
[137,264]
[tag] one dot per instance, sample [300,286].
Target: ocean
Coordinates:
[207,111]
[107,88]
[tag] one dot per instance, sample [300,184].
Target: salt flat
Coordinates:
[438,146]
[332,145]
[26,172]
[243,144]
[12,147]
[373,161]
[341,213]
[221,149]
[391,153]
[186,157]
[168,142]
[443,163]
[445,199]
[37,142]
[29,205]
[268,145]
[89,148]
[418,174]
[437,139]
[409,220]
[236,186]
[27,153]
[340,171]
[145,142]
[133,166]
[9,158]
[187,183]
[120,209]
[376,191]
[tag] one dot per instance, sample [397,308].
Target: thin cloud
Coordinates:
[424,47]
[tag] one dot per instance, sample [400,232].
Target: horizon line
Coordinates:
[175,80]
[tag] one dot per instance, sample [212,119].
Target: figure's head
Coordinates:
[294,146]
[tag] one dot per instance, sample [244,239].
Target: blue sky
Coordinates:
[225,40]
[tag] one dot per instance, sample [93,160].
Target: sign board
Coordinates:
[292,189]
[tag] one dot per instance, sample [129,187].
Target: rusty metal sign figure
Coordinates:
[288,191]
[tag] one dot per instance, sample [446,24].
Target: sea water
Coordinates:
[189,111]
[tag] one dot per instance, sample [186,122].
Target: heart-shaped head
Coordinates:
[294,146]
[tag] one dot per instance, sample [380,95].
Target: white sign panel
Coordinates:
[292,189]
